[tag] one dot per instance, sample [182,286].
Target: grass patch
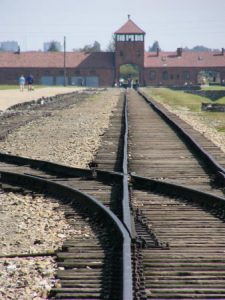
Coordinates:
[179,99]
[176,99]
[182,101]
[221,129]
[214,119]
[213,88]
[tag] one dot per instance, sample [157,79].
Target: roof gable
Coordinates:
[129,28]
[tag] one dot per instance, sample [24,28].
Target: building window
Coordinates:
[92,72]
[178,76]
[186,75]
[152,75]
[129,37]
[171,76]
[120,37]
[165,75]
[77,72]
[121,53]
[139,37]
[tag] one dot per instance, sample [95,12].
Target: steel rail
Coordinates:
[212,163]
[172,189]
[61,170]
[127,212]
[126,197]
[105,176]
[90,203]
[60,190]
[56,169]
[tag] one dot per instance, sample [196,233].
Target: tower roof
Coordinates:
[129,28]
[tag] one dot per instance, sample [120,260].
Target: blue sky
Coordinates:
[174,23]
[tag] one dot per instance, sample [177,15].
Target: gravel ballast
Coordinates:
[12,97]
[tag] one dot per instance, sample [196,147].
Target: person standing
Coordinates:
[30,81]
[21,83]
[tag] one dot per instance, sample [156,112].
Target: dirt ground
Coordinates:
[11,97]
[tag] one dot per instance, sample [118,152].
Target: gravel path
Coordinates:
[11,97]
[70,136]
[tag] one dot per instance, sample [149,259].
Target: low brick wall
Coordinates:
[213,107]
[212,95]
[187,88]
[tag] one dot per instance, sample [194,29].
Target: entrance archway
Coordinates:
[209,77]
[129,75]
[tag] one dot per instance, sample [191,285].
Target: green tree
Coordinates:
[96,47]
[200,48]
[154,47]
[53,47]
[112,44]
[129,71]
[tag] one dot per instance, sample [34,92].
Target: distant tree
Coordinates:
[86,48]
[76,50]
[200,48]
[53,47]
[112,44]
[96,47]
[154,47]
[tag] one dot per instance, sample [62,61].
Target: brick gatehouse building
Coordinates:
[162,68]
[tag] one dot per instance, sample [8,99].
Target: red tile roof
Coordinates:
[129,28]
[56,60]
[187,59]
[106,60]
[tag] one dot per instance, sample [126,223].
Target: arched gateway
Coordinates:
[129,49]
[129,75]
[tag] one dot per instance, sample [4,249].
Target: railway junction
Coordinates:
[142,217]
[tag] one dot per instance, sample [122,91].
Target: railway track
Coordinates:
[174,228]
[92,267]
[176,214]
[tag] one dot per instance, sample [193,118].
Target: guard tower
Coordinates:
[129,47]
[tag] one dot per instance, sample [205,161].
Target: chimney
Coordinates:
[179,51]
[18,50]
[157,52]
[222,52]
